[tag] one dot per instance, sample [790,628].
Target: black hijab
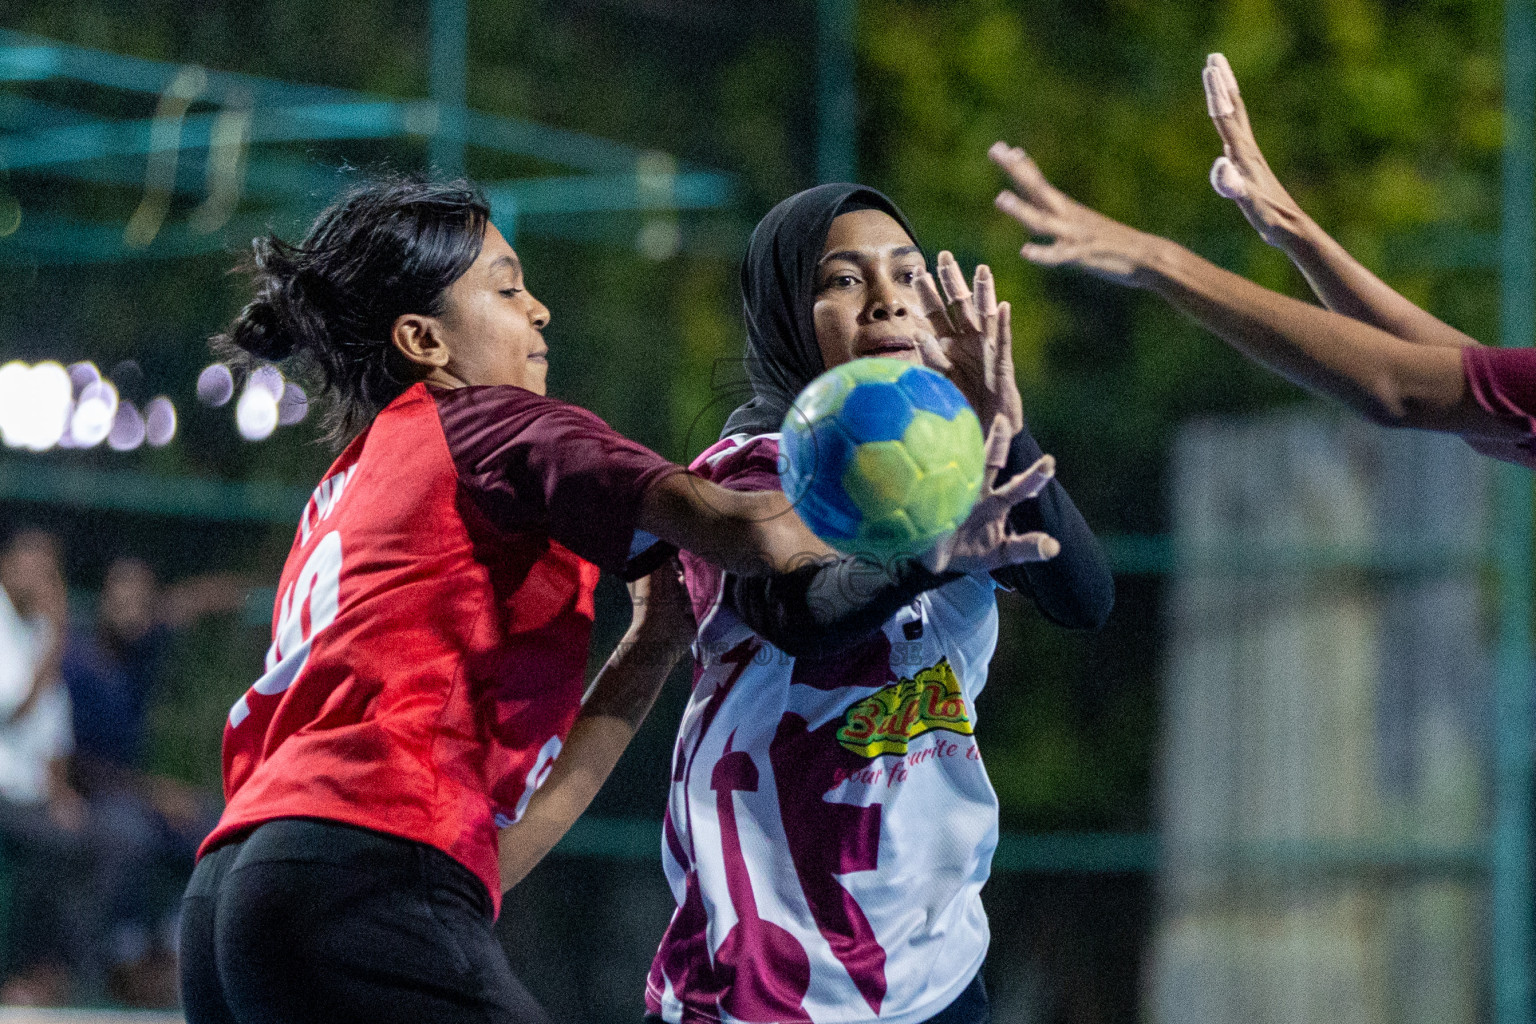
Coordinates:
[778,288]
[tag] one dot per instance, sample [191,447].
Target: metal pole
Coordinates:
[450,36]
[1511,876]
[836,105]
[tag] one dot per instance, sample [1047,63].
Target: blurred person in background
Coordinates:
[44,831]
[112,668]
[1369,347]
[831,823]
[431,633]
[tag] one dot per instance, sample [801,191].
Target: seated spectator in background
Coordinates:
[112,668]
[43,821]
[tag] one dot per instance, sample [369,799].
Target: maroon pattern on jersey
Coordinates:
[431,629]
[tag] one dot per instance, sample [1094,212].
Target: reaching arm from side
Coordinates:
[614,707]
[1384,378]
[1340,281]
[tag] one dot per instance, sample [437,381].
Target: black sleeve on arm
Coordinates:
[818,610]
[1075,589]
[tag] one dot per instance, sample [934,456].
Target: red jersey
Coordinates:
[429,639]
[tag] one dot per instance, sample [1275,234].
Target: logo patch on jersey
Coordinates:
[885,722]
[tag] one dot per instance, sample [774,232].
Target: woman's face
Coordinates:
[492,326]
[866,290]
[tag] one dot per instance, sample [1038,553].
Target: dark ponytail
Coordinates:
[326,307]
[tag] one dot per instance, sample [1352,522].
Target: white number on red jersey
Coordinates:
[317,588]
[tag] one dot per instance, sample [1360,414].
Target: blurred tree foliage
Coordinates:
[1382,115]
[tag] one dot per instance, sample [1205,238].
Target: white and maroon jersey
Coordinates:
[830,824]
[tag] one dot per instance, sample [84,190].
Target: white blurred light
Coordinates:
[94,414]
[34,404]
[270,379]
[256,413]
[13,388]
[127,431]
[215,385]
[159,422]
[82,374]
[48,405]
[293,406]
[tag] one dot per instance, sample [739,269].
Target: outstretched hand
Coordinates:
[974,344]
[985,541]
[1241,173]
[1077,236]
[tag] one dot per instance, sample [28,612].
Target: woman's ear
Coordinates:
[420,339]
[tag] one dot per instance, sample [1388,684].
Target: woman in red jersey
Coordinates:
[1370,348]
[432,623]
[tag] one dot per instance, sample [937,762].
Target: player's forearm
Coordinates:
[747,532]
[616,703]
[818,611]
[1369,370]
[1345,286]
[1076,589]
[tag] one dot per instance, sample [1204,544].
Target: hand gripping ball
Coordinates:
[881,458]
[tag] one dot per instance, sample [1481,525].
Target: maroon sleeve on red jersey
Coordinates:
[1503,381]
[535,463]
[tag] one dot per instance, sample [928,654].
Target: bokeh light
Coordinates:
[159,422]
[94,414]
[256,413]
[34,404]
[215,385]
[270,379]
[127,431]
[293,406]
[82,374]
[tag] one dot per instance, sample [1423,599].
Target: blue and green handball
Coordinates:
[882,458]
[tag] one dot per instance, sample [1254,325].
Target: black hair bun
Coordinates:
[261,331]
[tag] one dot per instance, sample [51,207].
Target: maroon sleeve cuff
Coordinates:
[535,463]
[1503,381]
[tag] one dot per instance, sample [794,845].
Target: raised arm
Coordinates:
[1345,286]
[1381,376]
[615,705]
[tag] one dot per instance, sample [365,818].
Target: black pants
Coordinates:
[317,921]
[969,1007]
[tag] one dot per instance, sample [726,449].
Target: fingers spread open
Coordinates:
[933,305]
[1026,176]
[933,352]
[1043,254]
[986,292]
[1029,547]
[1027,484]
[962,310]
[1035,220]
[999,437]
[1004,354]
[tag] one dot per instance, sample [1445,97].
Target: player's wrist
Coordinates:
[1295,234]
[651,640]
[1158,263]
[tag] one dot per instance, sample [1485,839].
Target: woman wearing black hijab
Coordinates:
[831,823]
